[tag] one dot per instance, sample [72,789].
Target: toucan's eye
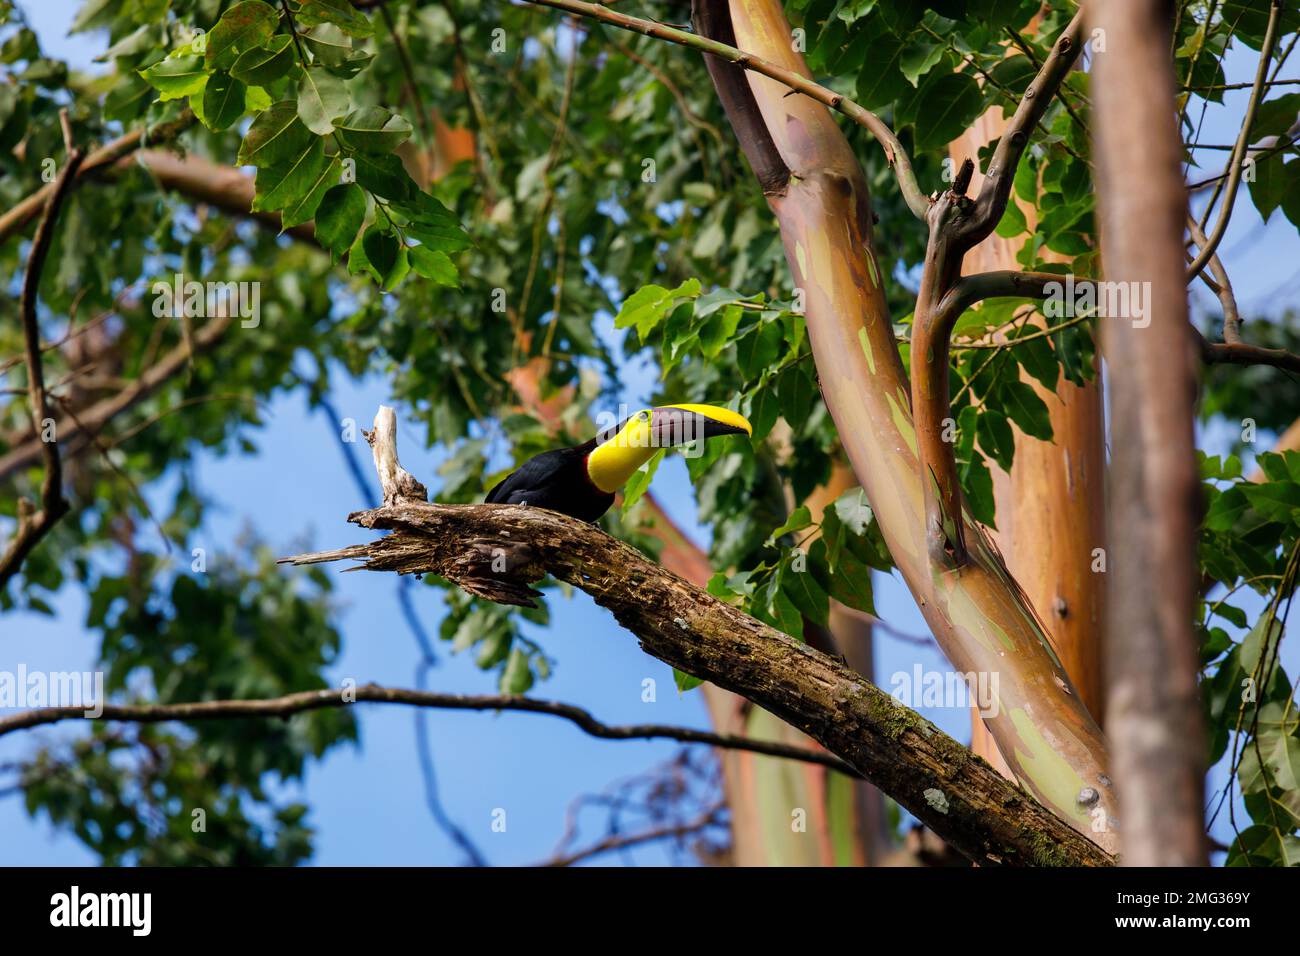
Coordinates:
[643,416]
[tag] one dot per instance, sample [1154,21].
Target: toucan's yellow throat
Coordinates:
[621,450]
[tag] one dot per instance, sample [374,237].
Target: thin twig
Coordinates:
[290,704]
[622,841]
[1239,154]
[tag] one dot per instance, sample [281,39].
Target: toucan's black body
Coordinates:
[556,480]
[573,480]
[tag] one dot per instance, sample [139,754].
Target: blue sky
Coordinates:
[368,802]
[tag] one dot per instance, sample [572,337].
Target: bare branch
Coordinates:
[290,704]
[53,506]
[1220,284]
[944,527]
[956,225]
[1239,353]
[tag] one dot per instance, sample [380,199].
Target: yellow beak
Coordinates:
[723,416]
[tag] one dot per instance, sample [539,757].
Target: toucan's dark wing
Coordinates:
[556,480]
[538,473]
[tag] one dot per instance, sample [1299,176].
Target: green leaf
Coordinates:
[1014,72]
[685,681]
[223,101]
[339,216]
[384,176]
[783,611]
[881,82]
[494,647]
[328,44]
[1013,222]
[244,26]
[995,437]
[717,332]
[758,350]
[176,77]
[943,107]
[435,265]
[1274,117]
[764,409]
[1037,358]
[339,12]
[353,65]
[646,307]
[382,248]
[517,677]
[275,136]
[798,394]
[1270,180]
[977,488]
[806,594]
[1026,409]
[304,209]
[853,511]
[1275,500]
[799,519]
[425,218]
[288,182]
[373,129]
[851,584]
[1226,510]
[918,57]
[639,483]
[263,65]
[322,98]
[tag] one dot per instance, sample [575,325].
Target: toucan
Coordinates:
[581,481]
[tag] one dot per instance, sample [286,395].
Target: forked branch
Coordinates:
[957,224]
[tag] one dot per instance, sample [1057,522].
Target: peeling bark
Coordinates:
[1051,507]
[980,616]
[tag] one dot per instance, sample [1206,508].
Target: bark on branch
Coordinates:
[499,551]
